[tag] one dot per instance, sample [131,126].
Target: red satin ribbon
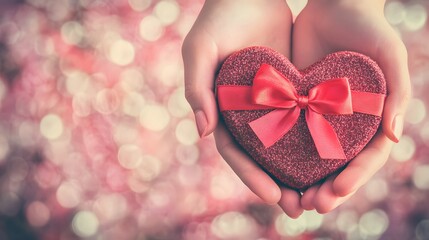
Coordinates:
[271,90]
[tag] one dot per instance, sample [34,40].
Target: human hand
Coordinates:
[222,28]
[326,26]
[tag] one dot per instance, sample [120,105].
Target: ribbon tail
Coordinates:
[237,97]
[326,140]
[274,125]
[368,103]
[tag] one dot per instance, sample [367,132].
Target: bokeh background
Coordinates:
[98,142]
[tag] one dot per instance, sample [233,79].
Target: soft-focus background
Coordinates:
[98,142]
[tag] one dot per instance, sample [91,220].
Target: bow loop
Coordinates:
[271,88]
[331,97]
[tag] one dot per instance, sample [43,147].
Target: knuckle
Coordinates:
[223,147]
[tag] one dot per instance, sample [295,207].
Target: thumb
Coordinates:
[393,61]
[200,62]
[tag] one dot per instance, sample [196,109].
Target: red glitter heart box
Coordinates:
[300,125]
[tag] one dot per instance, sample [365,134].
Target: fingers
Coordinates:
[247,170]
[363,167]
[322,198]
[392,59]
[307,199]
[336,190]
[326,199]
[290,202]
[200,62]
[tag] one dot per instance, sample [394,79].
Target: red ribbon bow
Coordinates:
[271,90]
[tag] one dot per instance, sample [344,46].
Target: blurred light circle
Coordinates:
[76,82]
[81,104]
[106,101]
[38,214]
[186,132]
[169,71]
[161,195]
[139,5]
[222,186]
[347,221]
[130,156]
[47,47]
[313,220]
[233,225]
[85,224]
[121,52]
[136,184]
[47,177]
[110,207]
[154,117]
[296,6]
[151,28]
[177,104]
[167,11]
[421,177]
[308,221]
[4,148]
[124,133]
[395,12]
[190,175]
[422,230]
[131,80]
[72,32]
[376,190]
[415,17]
[51,126]
[58,10]
[69,195]
[149,168]
[373,223]
[195,203]
[404,150]
[416,113]
[187,154]
[184,24]
[133,103]
[289,227]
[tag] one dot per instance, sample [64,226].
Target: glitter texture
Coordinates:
[294,160]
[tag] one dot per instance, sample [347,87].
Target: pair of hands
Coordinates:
[323,27]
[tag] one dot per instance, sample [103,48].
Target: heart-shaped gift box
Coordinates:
[300,125]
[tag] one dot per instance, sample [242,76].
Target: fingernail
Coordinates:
[397,127]
[201,120]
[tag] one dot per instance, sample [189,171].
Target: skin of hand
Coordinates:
[326,26]
[222,27]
